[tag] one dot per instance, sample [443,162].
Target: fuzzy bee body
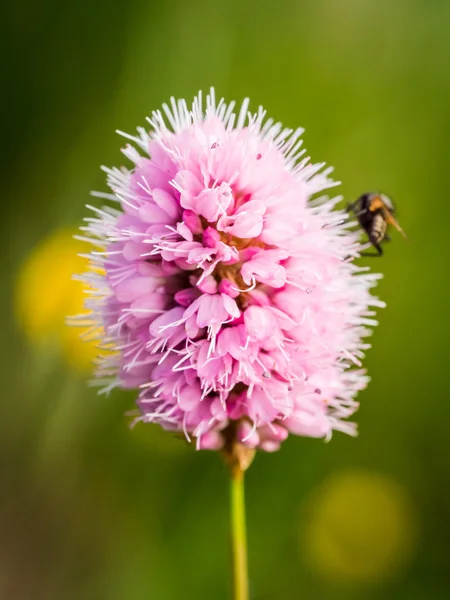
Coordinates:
[375,212]
[378,229]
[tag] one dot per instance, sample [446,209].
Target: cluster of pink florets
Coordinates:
[227,297]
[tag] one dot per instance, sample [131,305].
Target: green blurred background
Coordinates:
[92,510]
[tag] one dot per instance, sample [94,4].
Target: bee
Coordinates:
[375,212]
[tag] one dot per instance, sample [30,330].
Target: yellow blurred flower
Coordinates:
[46,295]
[361,528]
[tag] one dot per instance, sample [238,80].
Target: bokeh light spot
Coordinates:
[361,528]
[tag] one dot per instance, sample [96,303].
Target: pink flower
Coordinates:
[231,300]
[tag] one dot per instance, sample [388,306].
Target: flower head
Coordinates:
[228,297]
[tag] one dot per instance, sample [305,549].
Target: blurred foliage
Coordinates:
[92,510]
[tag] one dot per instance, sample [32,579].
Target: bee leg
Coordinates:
[387,238]
[379,251]
[325,225]
[352,206]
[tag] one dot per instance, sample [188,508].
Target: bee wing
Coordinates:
[390,219]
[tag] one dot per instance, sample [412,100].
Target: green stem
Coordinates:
[238,536]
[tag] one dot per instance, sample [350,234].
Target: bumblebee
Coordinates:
[375,212]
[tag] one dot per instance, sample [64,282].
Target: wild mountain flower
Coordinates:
[226,294]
